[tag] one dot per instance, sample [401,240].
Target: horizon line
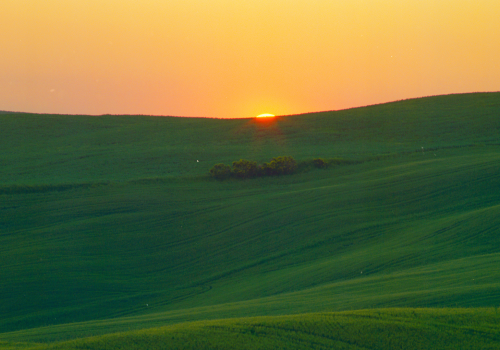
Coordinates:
[279,115]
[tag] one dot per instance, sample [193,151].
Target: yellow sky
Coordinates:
[226,58]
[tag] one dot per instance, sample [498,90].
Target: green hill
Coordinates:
[112,224]
[365,329]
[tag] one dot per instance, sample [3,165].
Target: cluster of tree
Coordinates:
[244,169]
[320,163]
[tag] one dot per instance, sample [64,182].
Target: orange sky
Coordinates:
[227,58]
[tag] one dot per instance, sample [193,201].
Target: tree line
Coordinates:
[283,165]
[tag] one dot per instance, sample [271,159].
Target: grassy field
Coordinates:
[111,228]
[382,329]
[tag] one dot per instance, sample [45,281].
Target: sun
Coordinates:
[265,115]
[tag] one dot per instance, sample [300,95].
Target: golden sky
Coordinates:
[241,58]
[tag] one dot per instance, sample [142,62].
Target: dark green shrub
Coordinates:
[280,166]
[245,169]
[320,163]
[220,171]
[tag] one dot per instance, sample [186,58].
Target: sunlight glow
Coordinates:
[265,115]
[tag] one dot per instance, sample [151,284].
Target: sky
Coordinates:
[241,58]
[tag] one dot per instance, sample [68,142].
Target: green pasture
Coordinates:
[111,229]
[364,329]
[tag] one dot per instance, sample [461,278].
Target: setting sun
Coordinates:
[265,115]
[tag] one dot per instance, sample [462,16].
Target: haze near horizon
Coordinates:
[228,59]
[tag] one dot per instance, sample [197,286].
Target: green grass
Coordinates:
[112,224]
[364,329]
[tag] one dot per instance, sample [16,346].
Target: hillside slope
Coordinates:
[365,329]
[54,149]
[115,221]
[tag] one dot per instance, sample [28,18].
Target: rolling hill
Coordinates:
[111,229]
